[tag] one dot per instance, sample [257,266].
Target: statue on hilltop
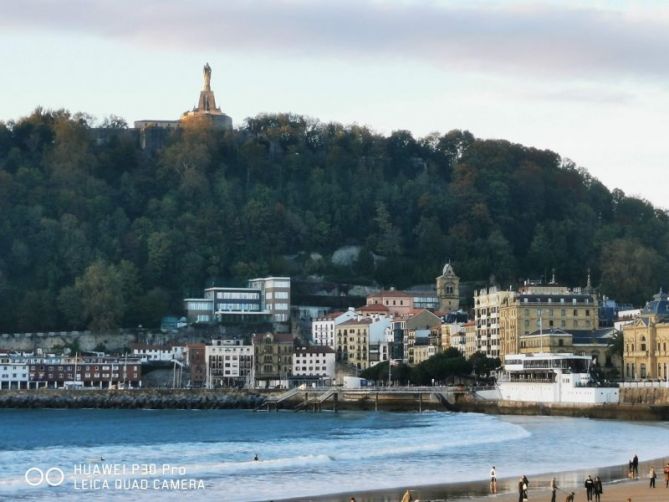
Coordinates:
[207,77]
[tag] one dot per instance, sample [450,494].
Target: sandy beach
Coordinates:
[617,488]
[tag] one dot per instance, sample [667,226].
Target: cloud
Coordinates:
[521,40]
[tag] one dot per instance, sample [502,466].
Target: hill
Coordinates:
[97,232]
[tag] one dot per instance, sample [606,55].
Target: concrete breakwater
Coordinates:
[606,411]
[311,401]
[134,398]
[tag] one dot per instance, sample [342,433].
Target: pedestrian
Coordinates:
[493,480]
[652,477]
[526,485]
[554,487]
[589,487]
[666,475]
[635,466]
[598,489]
[522,490]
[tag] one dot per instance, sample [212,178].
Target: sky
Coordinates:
[589,80]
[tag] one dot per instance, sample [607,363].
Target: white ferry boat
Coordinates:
[552,378]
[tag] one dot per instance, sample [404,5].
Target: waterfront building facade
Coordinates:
[315,362]
[100,372]
[13,374]
[538,307]
[272,359]
[197,363]
[229,363]
[645,355]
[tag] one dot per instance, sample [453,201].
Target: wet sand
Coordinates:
[617,488]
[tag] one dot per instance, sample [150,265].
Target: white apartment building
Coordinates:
[315,362]
[323,328]
[148,353]
[229,363]
[13,374]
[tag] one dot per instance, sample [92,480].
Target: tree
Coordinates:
[100,291]
[483,365]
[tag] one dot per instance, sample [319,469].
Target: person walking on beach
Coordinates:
[589,487]
[598,489]
[652,477]
[493,480]
[666,475]
[554,487]
[522,490]
[635,466]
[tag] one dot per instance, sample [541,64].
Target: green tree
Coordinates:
[100,291]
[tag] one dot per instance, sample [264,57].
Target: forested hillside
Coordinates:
[96,232]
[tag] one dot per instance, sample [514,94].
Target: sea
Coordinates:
[77,455]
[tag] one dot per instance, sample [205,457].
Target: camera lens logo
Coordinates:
[53,476]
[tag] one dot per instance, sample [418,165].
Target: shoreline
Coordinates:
[614,479]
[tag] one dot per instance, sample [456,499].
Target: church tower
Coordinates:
[448,290]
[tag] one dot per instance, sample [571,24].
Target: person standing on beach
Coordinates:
[666,475]
[598,489]
[635,466]
[652,477]
[493,480]
[554,487]
[589,487]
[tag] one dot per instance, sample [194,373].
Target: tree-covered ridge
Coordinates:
[96,231]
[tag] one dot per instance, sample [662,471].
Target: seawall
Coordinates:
[133,398]
[346,400]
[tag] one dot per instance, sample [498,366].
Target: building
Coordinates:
[152,132]
[422,328]
[229,363]
[14,374]
[196,361]
[352,342]
[593,343]
[645,355]
[275,296]
[424,298]
[463,337]
[272,359]
[101,372]
[323,328]
[487,306]
[448,289]
[542,307]
[149,353]
[315,363]
[264,300]
[421,353]
[398,303]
